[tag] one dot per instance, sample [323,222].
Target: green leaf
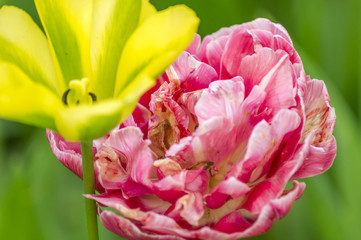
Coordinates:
[18,219]
[113,22]
[23,44]
[155,44]
[26,101]
[67,24]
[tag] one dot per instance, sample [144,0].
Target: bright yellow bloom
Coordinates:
[97,58]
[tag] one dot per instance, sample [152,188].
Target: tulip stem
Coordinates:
[89,188]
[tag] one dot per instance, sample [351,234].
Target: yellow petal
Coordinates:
[67,25]
[23,44]
[25,101]
[113,22]
[156,44]
[147,10]
[88,122]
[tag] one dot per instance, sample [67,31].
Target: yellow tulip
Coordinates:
[86,73]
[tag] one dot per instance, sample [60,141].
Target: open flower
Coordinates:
[208,151]
[97,58]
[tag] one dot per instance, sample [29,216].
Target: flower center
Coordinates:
[78,93]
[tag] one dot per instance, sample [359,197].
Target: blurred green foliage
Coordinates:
[41,199]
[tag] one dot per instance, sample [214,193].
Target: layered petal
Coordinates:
[190,73]
[68,153]
[320,119]
[209,150]
[273,72]
[130,144]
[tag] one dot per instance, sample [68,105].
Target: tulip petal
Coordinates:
[222,98]
[147,10]
[68,153]
[190,74]
[155,44]
[270,213]
[88,122]
[189,207]
[230,188]
[23,44]
[26,101]
[130,144]
[274,73]
[113,22]
[321,118]
[67,24]
[126,228]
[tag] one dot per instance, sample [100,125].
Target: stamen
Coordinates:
[66,94]
[65,97]
[93,96]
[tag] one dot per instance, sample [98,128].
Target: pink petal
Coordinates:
[270,213]
[239,45]
[130,144]
[275,42]
[222,98]
[272,187]
[68,153]
[167,167]
[170,188]
[194,47]
[203,146]
[190,74]
[170,121]
[112,175]
[320,119]
[213,51]
[267,25]
[263,142]
[189,207]
[233,222]
[127,229]
[231,188]
[274,73]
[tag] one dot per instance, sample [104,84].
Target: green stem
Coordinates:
[89,188]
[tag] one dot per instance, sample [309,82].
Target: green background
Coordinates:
[41,199]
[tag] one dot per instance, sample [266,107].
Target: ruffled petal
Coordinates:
[190,74]
[138,158]
[273,72]
[126,228]
[230,188]
[68,153]
[222,98]
[320,119]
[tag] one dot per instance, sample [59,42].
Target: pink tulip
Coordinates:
[208,151]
